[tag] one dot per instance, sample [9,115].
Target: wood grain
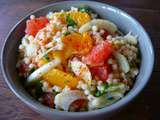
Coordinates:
[144,107]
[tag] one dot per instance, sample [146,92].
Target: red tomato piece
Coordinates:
[99,54]
[34,25]
[101,72]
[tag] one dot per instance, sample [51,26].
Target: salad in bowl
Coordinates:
[76,61]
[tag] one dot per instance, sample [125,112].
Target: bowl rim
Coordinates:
[110,108]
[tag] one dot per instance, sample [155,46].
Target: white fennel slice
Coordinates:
[65,99]
[122,61]
[101,24]
[42,70]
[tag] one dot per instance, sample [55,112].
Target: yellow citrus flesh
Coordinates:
[60,78]
[77,44]
[80,17]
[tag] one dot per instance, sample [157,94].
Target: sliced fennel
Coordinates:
[101,24]
[63,100]
[130,39]
[122,61]
[42,70]
[100,102]
[116,86]
[114,93]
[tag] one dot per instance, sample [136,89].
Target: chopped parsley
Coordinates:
[55,91]
[32,70]
[98,94]
[70,21]
[46,57]
[38,88]
[103,90]
[67,33]
[85,9]
[104,87]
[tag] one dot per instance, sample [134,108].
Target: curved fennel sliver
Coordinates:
[131,39]
[65,99]
[101,24]
[122,61]
[42,70]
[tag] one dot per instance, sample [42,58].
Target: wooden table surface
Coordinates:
[145,107]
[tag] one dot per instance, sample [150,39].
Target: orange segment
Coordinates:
[60,78]
[87,43]
[41,62]
[56,54]
[80,17]
[77,44]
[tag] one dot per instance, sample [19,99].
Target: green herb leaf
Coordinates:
[32,70]
[85,9]
[38,88]
[104,87]
[98,93]
[67,33]
[55,92]
[46,57]
[70,21]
